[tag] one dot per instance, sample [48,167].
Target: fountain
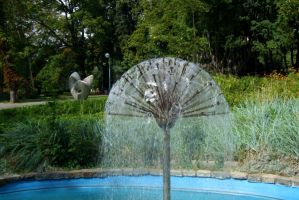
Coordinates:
[166,90]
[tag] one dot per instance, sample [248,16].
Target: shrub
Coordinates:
[60,133]
[61,143]
[58,109]
[239,90]
[2,166]
[236,90]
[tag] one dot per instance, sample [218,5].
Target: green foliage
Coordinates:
[90,108]
[288,13]
[35,145]
[200,140]
[83,29]
[47,40]
[239,90]
[250,36]
[66,133]
[3,166]
[268,127]
[59,134]
[236,89]
[162,32]
[54,76]
[271,41]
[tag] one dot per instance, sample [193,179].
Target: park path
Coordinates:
[17,105]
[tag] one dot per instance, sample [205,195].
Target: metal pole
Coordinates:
[107,55]
[109,71]
[166,165]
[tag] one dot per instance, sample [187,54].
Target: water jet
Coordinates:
[166,89]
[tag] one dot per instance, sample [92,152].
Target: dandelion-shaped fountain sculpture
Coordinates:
[166,89]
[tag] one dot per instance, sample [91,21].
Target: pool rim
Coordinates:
[292,181]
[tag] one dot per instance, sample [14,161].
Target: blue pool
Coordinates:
[145,188]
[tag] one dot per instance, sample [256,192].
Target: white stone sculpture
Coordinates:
[80,88]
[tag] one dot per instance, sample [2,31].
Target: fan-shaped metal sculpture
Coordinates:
[80,88]
[166,89]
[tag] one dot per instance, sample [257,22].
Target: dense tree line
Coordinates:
[43,41]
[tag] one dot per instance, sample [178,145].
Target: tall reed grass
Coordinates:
[271,127]
[35,145]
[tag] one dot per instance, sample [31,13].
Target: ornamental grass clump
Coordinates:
[36,145]
[270,127]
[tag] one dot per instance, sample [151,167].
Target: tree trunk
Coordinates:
[297,56]
[166,165]
[31,74]
[81,62]
[285,63]
[292,57]
[271,62]
[13,95]
[82,66]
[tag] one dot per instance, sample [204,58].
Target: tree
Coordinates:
[248,36]
[77,25]
[270,44]
[11,78]
[164,29]
[123,16]
[15,34]
[52,76]
[289,23]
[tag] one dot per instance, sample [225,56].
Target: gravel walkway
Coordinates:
[16,105]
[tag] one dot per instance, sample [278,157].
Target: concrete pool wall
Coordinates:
[99,172]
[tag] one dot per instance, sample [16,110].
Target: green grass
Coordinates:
[267,136]
[268,127]
[60,133]
[265,121]
[93,107]
[37,145]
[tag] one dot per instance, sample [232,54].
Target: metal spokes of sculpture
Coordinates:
[166,89]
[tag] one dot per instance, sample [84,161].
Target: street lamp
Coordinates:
[107,55]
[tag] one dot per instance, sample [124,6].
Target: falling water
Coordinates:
[163,104]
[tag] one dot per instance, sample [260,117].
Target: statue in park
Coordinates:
[80,89]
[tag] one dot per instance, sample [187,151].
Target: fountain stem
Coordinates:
[166,164]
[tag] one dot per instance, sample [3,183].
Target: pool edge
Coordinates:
[99,172]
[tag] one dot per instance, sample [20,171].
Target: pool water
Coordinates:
[109,193]
[145,188]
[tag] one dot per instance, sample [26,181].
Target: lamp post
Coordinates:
[107,55]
